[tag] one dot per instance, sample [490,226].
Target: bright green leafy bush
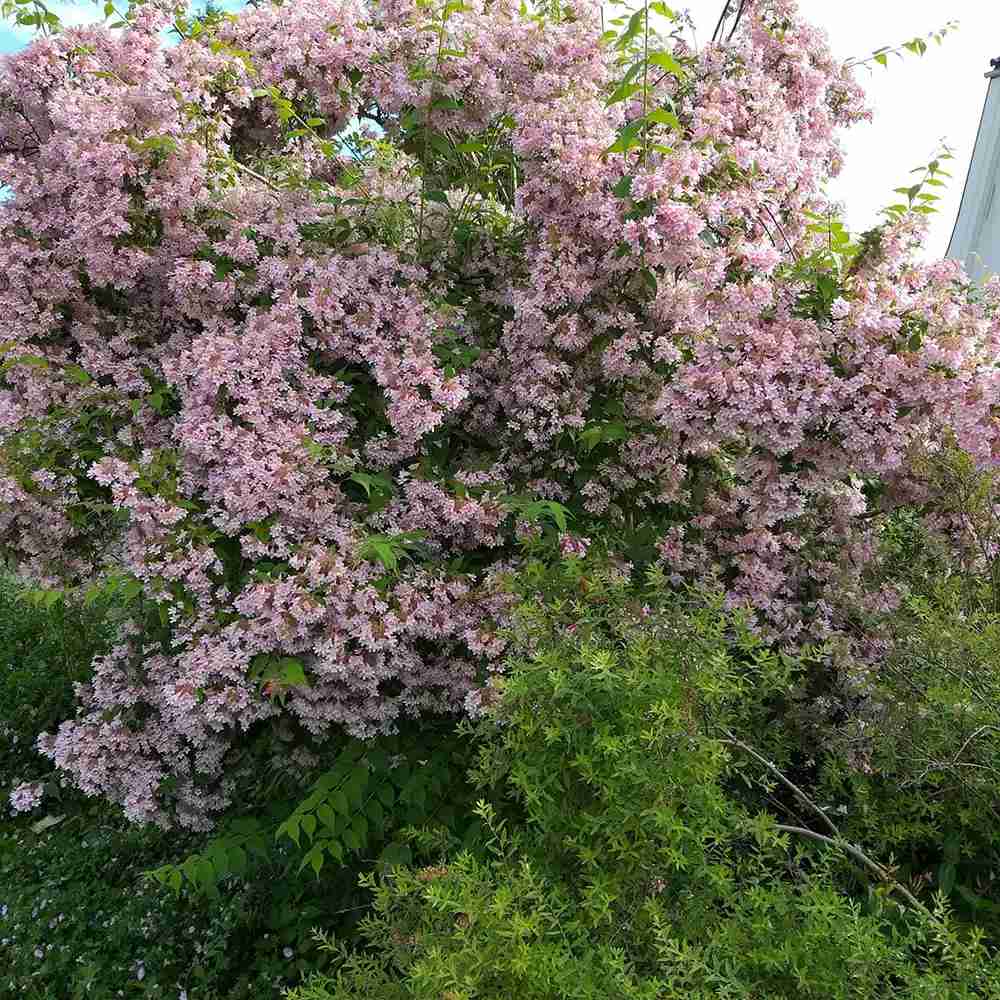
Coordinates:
[644,841]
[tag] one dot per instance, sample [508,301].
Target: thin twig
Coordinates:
[774,219]
[253,173]
[736,22]
[838,840]
[645,86]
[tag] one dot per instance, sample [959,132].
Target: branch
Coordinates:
[855,852]
[773,768]
[736,22]
[253,173]
[838,839]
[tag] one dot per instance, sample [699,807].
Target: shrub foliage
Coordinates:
[644,843]
[312,315]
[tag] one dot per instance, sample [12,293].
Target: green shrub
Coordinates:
[359,808]
[653,833]
[43,652]
[910,748]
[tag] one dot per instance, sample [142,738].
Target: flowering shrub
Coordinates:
[78,916]
[312,317]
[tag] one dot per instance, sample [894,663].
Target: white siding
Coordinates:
[976,237]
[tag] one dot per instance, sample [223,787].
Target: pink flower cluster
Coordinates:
[247,340]
[26,796]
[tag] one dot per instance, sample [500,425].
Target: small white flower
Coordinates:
[287,952]
[39,953]
[840,308]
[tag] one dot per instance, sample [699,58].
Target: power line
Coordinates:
[717,34]
[727,9]
[736,20]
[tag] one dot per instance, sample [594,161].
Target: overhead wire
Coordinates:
[737,19]
[717,34]
[720,27]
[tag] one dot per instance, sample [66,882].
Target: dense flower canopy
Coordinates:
[302,316]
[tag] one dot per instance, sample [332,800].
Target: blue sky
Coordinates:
[9,42]
[13,38]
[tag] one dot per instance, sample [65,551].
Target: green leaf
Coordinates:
[376,814]
[338,800]
[360,827]
[237,860]
[31,360]
[663,117]
[623,92]
[205,875]
[292,672]
[219,856]
[628,139]
[290,828]
[666,61]
[314,859]
[633,29]
[77,374]
[381,550]
[356,784]
[327,816]
[380,484]
[396,855]
[633,71]
[946,877]
[590,437]
[623,187]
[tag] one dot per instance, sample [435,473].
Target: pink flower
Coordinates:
[840,308]
[306,441]
[573,546]
[26,796]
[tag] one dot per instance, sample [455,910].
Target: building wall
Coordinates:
[976,237]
